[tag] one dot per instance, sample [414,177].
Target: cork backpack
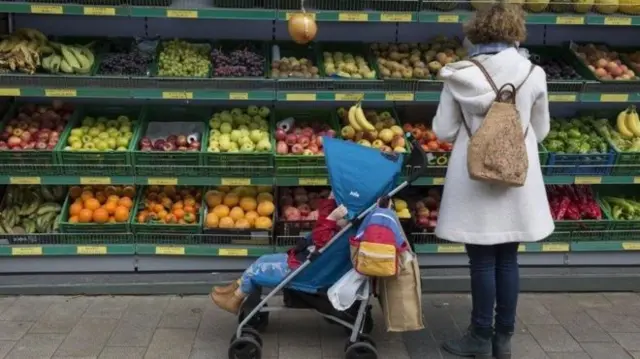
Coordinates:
[497,152]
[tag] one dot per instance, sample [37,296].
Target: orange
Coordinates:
[248,203]
[110,191]
[189,209]
[111,206]
[178,212]
[221,210]
[86,195]
[231,199]
[189,201]
[73,219]
[101,197]
[143,217]
[121,214]
[129,191]
[92,204]
[85,216]
[242,224]
[213,198]
[226,222]
[75,209]
[266,208]
[75,192]
[212,221]
[263,223]
[157,208]
[100,215]
[236,213]
[170,219]
[113,198]
[264,196]
[251,217]
[126,202]
[162,214]
[178,204]
[167,203]
[112,220]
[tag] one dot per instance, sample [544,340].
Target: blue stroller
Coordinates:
[358,176]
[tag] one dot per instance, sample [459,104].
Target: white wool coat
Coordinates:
[476,212]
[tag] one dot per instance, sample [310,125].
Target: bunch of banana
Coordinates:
[357,119]
[69,59]
[628,123]
[20,58]
[31,209]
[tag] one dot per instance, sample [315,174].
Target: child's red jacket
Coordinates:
[322,232]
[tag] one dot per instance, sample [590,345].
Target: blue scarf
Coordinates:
[492,48]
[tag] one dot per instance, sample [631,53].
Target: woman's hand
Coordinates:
[338,213]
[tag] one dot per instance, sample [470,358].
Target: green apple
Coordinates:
[122,142]
[225,117]
[113,132]
[101,126]
[89,145]
[248,147]
[78,132]
[112,143]
[127,135]
[73,139]
[234,150]
[85,129]
[243,128]
[87,138]
[256,119]
[94,132]
[235,135]
[226,128]
[214,143]
[236,112]
[125,128]
[255,135]
[245,131]
[102,120]
[252,110]
[244,139]
[254,126]
[213,149]
[264,145]
[103,136]
[68,148]
[215,134]
[76,146]
[233,146]
[215,123]
[112,124]
[122,120]
[225,144]
[121,148]
[88,121]
[264,112]
[102,145]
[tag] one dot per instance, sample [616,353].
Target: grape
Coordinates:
[180,58]
[125,60]
[241,61]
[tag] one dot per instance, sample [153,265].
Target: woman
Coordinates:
[273,268]
[490,219]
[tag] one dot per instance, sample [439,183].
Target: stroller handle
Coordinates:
[417,160]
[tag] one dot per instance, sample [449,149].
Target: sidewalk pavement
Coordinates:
[550,326]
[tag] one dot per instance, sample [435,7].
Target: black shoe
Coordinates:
[502,345]
[470,345]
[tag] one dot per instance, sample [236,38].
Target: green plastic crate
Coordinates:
[302,165]
[625,191]
[67,227]
[582,67]
[543,154]
[238,164]
[155,66]
[290,49]
[354,48]
[113,162]
[158,164]
[141,228]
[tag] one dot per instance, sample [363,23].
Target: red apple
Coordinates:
[331,133]
[168,146]
[291,139]
[431,203]
[307,131]
[433,214]
[159,144]
[181,140]
[313,148]
[292,214]
[304,141]
[182,148]
[3,145]
[146,148]
[432,224]
[282,148]
[18,132]
[145,141]
[26,136]
[304,210]
[51,146]
[286,200]
[23,126]
[14,141]
[29,146]
[423,222]
[319,141]
[4,136]
[297,149]
[172,139]
[280,135]
[41,145]
[193,149]
[194,144]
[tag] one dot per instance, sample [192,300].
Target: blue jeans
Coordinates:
[495,283]
[267,271]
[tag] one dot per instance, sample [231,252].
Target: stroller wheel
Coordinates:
[361,338]
[361,350]
[248,332]
[245,348]
[260,321]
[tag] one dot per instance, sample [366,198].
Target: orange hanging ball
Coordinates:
[302,28]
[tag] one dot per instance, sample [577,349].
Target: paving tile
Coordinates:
[524,346]
[605,350]
[171,343]
[440,323]
[216,329]
[420,344]
[123,353]
[27,309]
[208,353]
[6,302]
[577,355]
[36,346]
[297,352]
[107,307]
[128,334]
[87,338]
[5,347]
[74,357]
[582,327]
[629,341]
[393,350]
[591,300]
[184,312]
[554,338]
[10,330]
[531,311]
[623,299]
[612,322]
[635,355]
[60,318]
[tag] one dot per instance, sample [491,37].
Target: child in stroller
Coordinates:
[275,267]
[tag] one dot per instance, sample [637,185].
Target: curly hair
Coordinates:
[497,23]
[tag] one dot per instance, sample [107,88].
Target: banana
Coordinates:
[66,67]
[71,60]
[82,60]
[351,116]
[362,119]
[633,121]
[55,63]
[621,124]
[48,208]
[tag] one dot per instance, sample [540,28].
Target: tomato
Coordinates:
[433,145]
[430,136]
[446,146]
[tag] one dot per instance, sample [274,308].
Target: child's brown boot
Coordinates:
[227,288]
[230,302]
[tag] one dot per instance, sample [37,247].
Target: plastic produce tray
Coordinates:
[67,227]
[161,228]
[626,163]
[309,52]
[347,84]
[626,192]
[155,67]
[252,236]
[580,164]
[565,55]
[242,83]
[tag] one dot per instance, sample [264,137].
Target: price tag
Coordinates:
[312,182]
[631,246]
[399,96]
[396,17]
[355,96]
[177,95]
[183,14]
[170,251]
[617,20]
[587,180]
[26,251]
[24,180]
[450,248]
[238,96]
[91,250]
[235,181]
[449,18]
[308,14]
[162,181]
[612,97]
[438,181]
[353,16]
[46,9]
[233,252]
[636,180]
[562,98]
[522,248]
[555,247]
[60,93]
[301,97]
[9,92]
[570,20]
[95,180]
[99,11]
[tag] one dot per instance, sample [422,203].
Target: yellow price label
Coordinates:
[631,246]
[450,248]
[570,20]
[183,14]
[26,251]
[95,180]
[99,11]
[612,97]
[636,180]
[562,98]
[353,16]
[60,92]
[233,252]
[449,18]
[352,96]
[396,17]
[177,95]
[587,180]
[617,20]
[235,181]
[555,247]
[301,97]
[522,248]
[46,9]
[238,96]
[170,251]
[438,181]
[9,92]
[91,250]
[162,181]
[399,96]
[24,180]
[308,14]
[313,181]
